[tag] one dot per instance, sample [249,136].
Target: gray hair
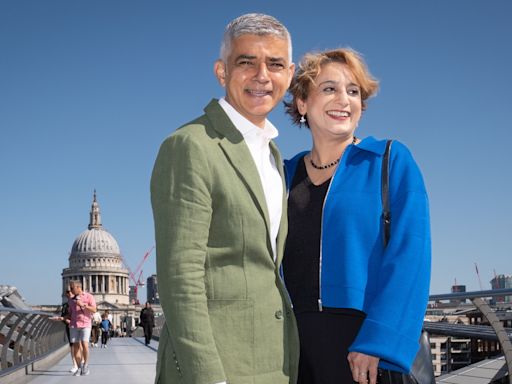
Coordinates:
[75,283]
[253,24]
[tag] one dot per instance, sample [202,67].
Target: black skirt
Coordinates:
[324,341]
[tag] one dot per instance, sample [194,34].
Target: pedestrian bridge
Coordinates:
[126,361]
[34,348]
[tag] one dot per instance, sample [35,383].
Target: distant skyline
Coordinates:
[88,91]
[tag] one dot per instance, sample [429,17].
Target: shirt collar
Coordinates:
[372,145]
[245,127]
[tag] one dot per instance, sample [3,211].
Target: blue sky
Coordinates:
[89,89]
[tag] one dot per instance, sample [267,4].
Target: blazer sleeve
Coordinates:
[394,318]
[182,210]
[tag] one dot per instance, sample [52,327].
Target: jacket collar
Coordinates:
[368,144]
[371,144]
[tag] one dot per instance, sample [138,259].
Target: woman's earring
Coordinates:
[302,119]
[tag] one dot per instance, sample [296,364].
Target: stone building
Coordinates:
[96,261]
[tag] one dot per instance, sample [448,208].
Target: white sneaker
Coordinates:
[78,372]
[73,370]
[85,370]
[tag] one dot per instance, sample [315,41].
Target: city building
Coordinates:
[457,288]
[501,282]
[449,353]
[132,295]
[96,261]
[152,290]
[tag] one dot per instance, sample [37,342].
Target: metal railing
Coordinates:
[27,336]
[502,334]
[472,294]
[159,324]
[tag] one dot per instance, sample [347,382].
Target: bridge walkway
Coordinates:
[126,361]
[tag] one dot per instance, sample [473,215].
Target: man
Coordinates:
[81,306]
[219,206]
[147,322]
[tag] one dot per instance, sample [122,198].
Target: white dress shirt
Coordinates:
[258,139]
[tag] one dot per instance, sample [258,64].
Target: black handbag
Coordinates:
[422,371]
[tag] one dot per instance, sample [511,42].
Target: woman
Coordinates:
[359,303]
[65,315]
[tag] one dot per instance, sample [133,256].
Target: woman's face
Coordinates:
[333,106]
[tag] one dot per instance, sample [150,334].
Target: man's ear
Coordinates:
[219,68]
[291,71]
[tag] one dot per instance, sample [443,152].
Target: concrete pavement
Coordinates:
[126,361]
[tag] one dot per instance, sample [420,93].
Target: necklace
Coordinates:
[332,164]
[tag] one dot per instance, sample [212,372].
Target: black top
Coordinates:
[301,257]
[65,313]
[301,262]
[147,317]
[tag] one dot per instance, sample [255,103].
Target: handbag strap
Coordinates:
[422,370]
[386,211]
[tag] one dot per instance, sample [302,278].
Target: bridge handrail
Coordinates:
[472,294]
[26,336]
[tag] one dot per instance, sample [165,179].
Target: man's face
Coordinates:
[75,289]
[256,76]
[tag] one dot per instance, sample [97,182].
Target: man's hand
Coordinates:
[363,367]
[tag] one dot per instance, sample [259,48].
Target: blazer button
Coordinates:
[279,314]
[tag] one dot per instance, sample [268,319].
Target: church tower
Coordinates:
[96,261]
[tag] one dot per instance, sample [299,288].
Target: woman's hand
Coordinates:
[363,367]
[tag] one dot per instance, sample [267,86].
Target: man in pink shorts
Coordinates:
[81,305]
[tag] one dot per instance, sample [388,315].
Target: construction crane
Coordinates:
[478,275]
[139,280]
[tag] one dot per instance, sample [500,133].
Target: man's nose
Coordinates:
[261,74]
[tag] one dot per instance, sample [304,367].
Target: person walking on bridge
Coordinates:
[147,322]
[82,306]
[65,318]
[106,327]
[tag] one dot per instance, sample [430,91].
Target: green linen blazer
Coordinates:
[228,316]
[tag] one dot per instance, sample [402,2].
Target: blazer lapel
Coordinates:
[283,226]
[238,154]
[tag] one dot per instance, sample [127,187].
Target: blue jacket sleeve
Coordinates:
[395,313]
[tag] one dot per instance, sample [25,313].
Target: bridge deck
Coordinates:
[126,360]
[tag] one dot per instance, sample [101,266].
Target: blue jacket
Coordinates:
[106,325]
[390,284]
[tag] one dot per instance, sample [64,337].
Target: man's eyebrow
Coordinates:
[247,57]
[252,57]
[274,59]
